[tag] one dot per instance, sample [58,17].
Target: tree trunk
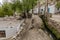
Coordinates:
[26,13]
[46,10]
[39,8]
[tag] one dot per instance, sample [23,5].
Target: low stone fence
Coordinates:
[54,27]
[55,24]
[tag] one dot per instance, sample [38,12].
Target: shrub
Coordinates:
[1,12]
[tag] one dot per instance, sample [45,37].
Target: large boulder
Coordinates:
[37,21]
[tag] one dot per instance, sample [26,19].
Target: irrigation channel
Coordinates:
[47,30]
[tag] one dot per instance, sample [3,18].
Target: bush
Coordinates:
[6,10]
[1,12]
[58,4]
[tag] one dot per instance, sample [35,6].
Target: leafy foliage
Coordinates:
[1,12]
[29,4]
[8,8]
[58,4]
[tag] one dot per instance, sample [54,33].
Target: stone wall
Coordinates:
[54,27]
[55,24]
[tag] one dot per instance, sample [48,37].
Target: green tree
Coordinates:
[27,5]
[7,10]
[23,6]
[1,12]
[17,5]
[58,4]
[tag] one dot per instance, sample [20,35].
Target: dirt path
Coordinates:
[35,34]
[32,30]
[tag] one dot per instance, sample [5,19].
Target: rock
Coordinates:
[37,21]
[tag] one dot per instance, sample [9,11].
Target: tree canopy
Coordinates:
[9,8]
[58,4]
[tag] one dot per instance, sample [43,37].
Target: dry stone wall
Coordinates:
[55,24]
